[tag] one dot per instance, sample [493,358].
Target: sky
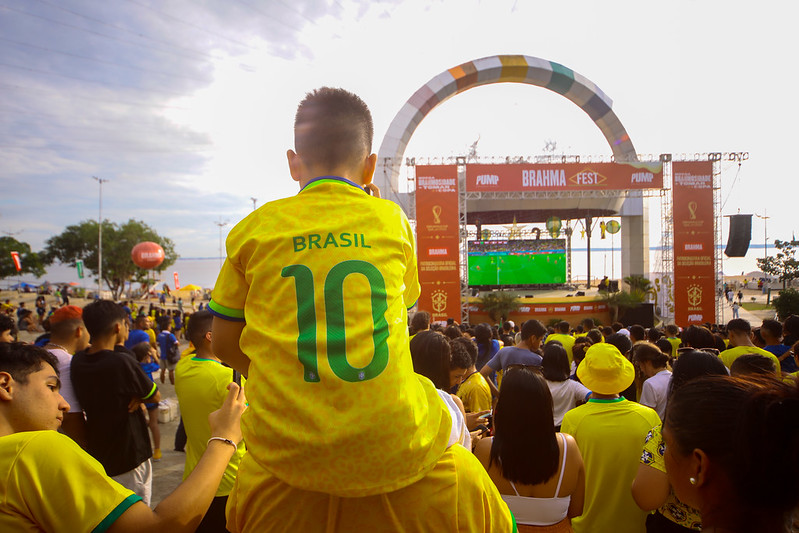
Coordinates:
[186,107]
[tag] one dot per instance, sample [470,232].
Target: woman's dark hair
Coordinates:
[749,429]
[453,332]
[430,353]
[665,346]
[555,363]
[692,365]
[482,336]
[719,343]
[698,337]
[419,322]
[646,351]
[595,335]
[581,344]
[524,442]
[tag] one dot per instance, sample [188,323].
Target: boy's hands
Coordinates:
[226,421]
[372,189]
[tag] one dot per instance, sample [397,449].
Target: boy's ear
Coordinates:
[369,169]
[5,386]
[295,165]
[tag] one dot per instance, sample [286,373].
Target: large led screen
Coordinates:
[517,263]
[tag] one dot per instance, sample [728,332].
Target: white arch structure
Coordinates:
[534,71]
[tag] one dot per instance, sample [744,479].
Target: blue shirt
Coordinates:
[786,365]
[135,337]
[511,355]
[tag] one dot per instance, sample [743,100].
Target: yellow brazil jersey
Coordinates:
[731,354]
[610,434]
[567,341]
[475,393]
[675,344]
[51,484]
[201,386]
[323,281]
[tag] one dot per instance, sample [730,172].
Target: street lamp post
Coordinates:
[253,202]
[221,225]
[765,233]
[100,181]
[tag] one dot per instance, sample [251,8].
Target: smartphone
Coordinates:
[487,415]
[237,377]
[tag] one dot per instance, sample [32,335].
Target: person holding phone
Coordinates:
[201,383]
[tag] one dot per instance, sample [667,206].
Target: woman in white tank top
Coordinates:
[538,472]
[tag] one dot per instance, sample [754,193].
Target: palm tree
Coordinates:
[499,305]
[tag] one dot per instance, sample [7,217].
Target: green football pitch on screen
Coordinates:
[497,268]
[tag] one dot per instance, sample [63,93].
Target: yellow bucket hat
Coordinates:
[605,370]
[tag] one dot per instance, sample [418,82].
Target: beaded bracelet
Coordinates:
[223,439]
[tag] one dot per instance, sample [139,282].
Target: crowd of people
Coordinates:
[357,418]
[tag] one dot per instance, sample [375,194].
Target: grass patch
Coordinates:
[749,306]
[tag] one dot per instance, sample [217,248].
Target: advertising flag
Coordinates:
[177,281]
[79,266]
[694,243]
[17,261]
[438,241]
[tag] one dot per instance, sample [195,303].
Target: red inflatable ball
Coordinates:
[147,255]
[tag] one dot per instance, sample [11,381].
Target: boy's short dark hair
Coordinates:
[459,355]
[199,324]
[740,325]
[100,317]
[462,344]
[773,327]
[20,359]
[7,323]
[533,328]
[332,128]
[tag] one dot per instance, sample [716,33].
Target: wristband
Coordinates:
[223,439]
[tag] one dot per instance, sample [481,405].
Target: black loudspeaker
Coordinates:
[740,235]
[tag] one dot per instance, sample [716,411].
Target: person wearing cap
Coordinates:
[609,431]
[68,336]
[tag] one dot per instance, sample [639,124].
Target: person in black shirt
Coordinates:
[111,386]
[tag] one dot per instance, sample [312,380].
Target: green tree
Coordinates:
[499,305]
[31,261]
[787,303]
[783,264]
[80,242]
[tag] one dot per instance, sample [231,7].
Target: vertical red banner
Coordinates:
[438,240]
[694,243]
[177,281]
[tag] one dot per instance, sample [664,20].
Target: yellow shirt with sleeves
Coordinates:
[475,393]
[566,340]
[48,483]
[457,495]
[610,434]
[201,386]
[323,281]
[675,344]
[731,354]
[672,508]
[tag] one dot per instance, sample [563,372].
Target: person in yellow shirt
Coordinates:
[739,332]
[52,484]
[474,392]
[311,305]
[562,335]
[201,383]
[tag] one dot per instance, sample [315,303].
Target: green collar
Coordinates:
[603,400]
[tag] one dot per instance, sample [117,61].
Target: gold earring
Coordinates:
[692,480]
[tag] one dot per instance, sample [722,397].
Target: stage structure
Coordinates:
[448,197]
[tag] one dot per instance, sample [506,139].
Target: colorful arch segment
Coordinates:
[498,69]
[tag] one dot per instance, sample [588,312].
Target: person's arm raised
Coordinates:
[225,344]
[185,507]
